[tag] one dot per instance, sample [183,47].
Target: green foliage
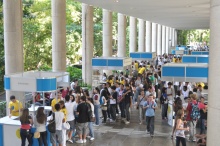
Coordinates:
[74,72]
[185,37]
[3,109]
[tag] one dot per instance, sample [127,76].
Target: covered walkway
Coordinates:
[119,134]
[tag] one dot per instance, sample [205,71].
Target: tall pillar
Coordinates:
[214,75]
[159,39]
[163,39]
[132,34]
[13,42]
[107,33]
[121,35]
[173,37]
[87,43]
[58,35]
[167,39]
[154,37]
[107,36]
[170,38]
[141,36]
[148,36]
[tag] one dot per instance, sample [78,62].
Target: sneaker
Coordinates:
[84,140]
[112,120]
[79,141]
[194,140]
[95,125]
[148,132]
[92,138]
[140,123]
[70,140]
[152,135]
[88,137]
[127,122]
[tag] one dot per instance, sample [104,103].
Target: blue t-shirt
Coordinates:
[150,111]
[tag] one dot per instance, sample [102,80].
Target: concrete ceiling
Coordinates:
[179,14]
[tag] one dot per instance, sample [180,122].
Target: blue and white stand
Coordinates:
[200,53]
[195,59]
[143,55]
[32,81]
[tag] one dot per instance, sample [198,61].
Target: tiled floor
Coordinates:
[119,134]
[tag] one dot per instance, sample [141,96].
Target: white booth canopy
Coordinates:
[36,81]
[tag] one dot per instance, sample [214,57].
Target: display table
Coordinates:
[10,132]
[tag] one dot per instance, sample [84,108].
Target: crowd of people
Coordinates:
[141,88]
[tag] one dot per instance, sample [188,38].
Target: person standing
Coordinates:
[70,116]
[96,99]
[180,135]
[90,123]
[113,99]
[15,106]
[57,137]
[40,124]
[56,100]
[150,107]
[140,104]
[127,96]
[25,130]
[82,120]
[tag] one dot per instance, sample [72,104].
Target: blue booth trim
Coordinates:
[197,72]
[7,83]
[99,62]
[1,136]
[189,59]
[115,62]
[173,71]
[203,59]
[46,84]
[142,55]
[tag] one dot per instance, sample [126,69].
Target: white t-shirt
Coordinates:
[59,116]
[70,108]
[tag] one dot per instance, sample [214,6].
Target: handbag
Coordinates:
[52,125]
[104,107]
[36,134]
[66,126]
[139,103]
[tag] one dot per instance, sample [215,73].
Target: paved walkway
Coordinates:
[119,134]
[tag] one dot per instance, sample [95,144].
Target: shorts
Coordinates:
[56,137]
[81,128]
[72,124]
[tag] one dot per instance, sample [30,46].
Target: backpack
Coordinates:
[195,114]
[52,125]
[89,112]
[101,100]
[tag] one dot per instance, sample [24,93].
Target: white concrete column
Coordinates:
[87,43]
[107,33]
[173,37]
[159,39]
[170,38]
[13,42]
[132,34]
[163,39]
[167,39]
[213,127]
[107,36]
[141,35]
[154,37]
[121,35]
[58,35]
[148,37]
